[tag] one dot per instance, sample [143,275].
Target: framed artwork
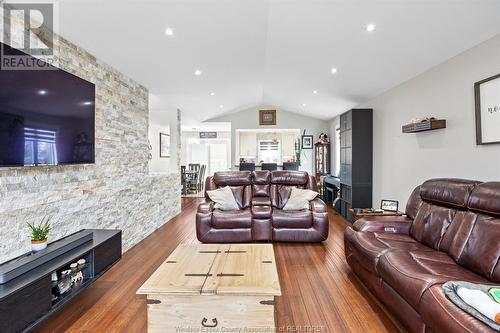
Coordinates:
[164,145]
[487,95]
[389,205]
[267,117]
[307,141]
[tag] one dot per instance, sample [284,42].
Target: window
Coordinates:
[39,146]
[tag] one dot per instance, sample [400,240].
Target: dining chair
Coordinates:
[183,178]
[269,166]
[247,166]
[290,166]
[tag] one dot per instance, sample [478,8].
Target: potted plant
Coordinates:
[298,151]
[39,234]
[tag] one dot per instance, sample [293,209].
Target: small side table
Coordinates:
[365,213]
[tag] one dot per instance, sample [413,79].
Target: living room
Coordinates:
[250,165]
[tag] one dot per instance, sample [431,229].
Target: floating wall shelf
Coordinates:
[424,126]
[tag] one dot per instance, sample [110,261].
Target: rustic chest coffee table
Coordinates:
[214,288]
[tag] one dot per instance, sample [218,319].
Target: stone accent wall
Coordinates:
[116,192]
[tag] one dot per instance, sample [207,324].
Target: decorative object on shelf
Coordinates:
[487,95]
[267,117]
[53,277]
[39,234]
[73,265]
[323,138]
[81,261]
[307,141]
[164,145]
[389,205]
[424,124]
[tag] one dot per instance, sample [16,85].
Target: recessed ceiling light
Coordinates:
[303,104]
[169,32]
[212,94]
[315,92]
[42,92]
[87,103]
[221,106]
[333,70]
[197,72]
[370,27]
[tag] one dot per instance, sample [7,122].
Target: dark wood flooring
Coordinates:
[319,290]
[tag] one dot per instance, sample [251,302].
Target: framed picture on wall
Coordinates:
[307,141]
[267,117]
[487,95]
[164,145]
[389,205]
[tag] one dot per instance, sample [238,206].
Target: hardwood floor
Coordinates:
[320,293]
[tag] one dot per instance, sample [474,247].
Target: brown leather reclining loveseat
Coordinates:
[261,195]
[451,231]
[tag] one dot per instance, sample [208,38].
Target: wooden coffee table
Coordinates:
[228,286]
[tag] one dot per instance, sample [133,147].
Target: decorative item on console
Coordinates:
[39,234]
[67,278]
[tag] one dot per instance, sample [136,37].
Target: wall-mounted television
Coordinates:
[47,116]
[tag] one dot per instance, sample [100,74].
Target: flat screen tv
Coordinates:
[47,116]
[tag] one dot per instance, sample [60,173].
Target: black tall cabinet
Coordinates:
[356,160]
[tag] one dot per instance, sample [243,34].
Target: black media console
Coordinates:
[28,299]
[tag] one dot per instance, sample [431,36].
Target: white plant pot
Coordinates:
[37,246]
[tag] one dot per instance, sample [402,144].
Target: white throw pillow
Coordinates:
[223,198]
[299,199]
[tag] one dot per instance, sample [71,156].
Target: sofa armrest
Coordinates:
[317,206]
[389,224]
[206,207]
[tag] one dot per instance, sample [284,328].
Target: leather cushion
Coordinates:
[431,223]
[372,245]
[235,219]
[261,177]
[260,190]
[414,203]
[292,219]
[289,177]
[261,212]
[481,253]
[448,192]
[411,273]
[486,198]
[261,201]
[441,315]
[233,178]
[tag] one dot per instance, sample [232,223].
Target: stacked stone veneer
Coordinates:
[116,192]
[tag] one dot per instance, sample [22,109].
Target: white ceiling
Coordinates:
[275,52]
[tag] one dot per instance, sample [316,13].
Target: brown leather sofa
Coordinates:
[451,231]
[261,196]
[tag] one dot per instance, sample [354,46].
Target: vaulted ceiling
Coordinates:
[275,52]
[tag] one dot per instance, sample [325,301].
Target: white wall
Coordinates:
[164,121]
[402,161]
[249,119]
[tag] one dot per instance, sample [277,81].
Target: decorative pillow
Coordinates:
[223,198]
[299,199]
